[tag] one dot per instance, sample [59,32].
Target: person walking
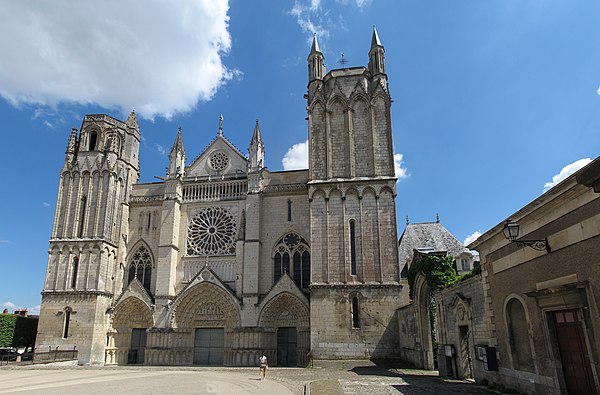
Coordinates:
[263,367]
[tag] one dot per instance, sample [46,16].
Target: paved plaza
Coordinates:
[326,377]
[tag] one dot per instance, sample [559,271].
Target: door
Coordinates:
[208,346]
[573,352]
[465,352]
[287,347]
[138,346]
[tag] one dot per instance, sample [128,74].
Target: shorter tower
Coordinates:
[88,237]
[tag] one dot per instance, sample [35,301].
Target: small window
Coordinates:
[74,274]
[93,140]
[464,264]
[352,248]
[355,313]
[67,322]
[289,210]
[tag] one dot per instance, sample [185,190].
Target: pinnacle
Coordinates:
[375,42]
[315,45]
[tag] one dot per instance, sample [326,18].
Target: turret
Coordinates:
[316,62]
[257,151]
[376,55]
[71,146]
[177,157]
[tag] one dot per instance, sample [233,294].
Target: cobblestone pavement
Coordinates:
[327,377]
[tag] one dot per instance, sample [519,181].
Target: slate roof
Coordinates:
[427,237]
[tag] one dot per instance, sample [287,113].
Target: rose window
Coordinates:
[219,161]
[212,232]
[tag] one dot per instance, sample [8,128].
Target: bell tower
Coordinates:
[87,246]
[352,193]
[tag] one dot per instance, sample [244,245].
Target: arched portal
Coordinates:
[131,319]
[206,315]
[423,296]
[287,319]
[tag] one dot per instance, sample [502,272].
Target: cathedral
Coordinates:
[223,260]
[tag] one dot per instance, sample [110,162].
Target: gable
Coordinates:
[219,158]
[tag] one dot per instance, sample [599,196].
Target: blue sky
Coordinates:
[492,99]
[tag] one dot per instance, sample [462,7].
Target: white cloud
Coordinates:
[566,172]
[9,305]
[309,19]
[159,58]
[35,310]
[362,3]
[401,172]
[4,241]
[46,204]
[296,157]
[598,91]
[161,150]
[472,237]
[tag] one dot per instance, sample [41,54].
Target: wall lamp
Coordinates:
[511,232]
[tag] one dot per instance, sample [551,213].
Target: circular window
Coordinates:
[291,240]
[219,161]
[212,232]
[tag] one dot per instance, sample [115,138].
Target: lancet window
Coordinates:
[292,256]
[140,267]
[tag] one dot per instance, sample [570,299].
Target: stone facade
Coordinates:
[415,326]
[224,260]
[542,305]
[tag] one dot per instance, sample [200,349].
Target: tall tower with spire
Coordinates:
[89,235]
[355,288]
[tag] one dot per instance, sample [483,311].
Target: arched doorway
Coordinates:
[127,341]
[287,318]
[426,315]
[207,314]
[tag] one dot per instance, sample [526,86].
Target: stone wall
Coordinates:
[88,325]
[332,333]
[461,315]
[409,343]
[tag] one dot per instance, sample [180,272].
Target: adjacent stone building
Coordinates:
[542,291]
[417,330]
[225,259]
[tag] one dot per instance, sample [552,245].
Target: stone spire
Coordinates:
[132,120]
[177,157]
[376,55]
[315,45]
[221,125]
[316,62]
[257,150]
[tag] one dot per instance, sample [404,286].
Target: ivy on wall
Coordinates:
[17,331]
[439,272]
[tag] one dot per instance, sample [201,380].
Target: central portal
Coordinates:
[287,347]
[208,346]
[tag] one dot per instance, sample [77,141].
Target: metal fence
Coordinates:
[55,355]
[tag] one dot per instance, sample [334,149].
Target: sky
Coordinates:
[494,101]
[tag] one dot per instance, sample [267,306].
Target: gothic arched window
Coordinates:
[140,267]
[292,256]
